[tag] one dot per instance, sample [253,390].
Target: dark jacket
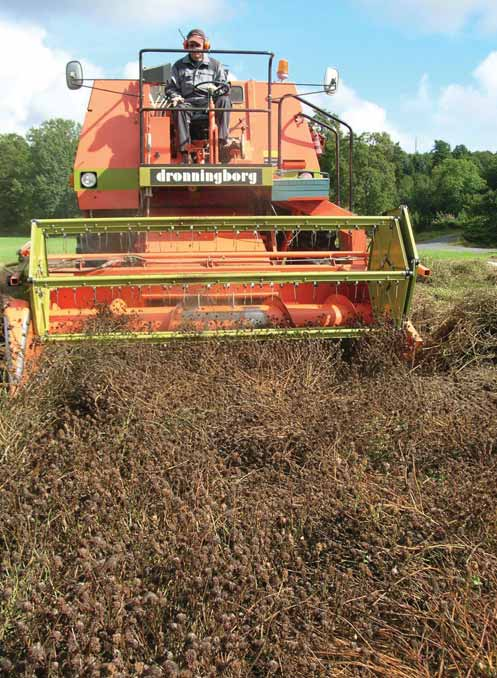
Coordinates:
[186,73]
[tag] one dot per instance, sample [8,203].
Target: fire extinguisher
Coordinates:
[317,141]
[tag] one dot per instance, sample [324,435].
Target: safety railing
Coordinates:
[328,116]
[267,111]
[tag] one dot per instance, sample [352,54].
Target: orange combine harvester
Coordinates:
[251,247]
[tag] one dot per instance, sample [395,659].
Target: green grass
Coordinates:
[8,248]
[10,244]
[426,236]
[456,255]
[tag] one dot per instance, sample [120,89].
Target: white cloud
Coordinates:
[361,114]
[486,74]
[459,114]
[441,16]
[131,70]
[159,12]
[33,80]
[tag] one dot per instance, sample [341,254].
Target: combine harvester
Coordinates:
[252,247]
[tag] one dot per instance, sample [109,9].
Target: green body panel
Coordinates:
[264,175]
[388,254]
[110,179]
[38,268]
[216,278]
[260,333]
[202,224]
[412,253]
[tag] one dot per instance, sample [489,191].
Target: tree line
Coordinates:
[444,187]
[34,175]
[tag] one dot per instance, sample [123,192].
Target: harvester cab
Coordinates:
[245,245]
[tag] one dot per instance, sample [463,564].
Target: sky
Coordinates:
[418,69]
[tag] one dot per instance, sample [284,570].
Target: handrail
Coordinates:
[337,148]
[210,51]
[327,115]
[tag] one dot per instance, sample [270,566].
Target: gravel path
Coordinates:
[448,242]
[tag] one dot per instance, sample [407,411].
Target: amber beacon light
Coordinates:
[282,71]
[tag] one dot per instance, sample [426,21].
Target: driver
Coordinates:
[194,69]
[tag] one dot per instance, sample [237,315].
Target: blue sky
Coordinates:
[419,69]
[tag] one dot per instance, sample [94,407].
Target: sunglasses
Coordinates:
[194,44]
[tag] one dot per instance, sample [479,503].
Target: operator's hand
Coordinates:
[176,100]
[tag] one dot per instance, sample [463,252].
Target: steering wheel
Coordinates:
[221,88]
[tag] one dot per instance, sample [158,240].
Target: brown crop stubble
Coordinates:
[249,509]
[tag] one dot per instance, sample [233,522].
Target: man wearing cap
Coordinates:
[193,69]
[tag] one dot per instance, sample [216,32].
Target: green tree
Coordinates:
[420,163]
[376,161]
[454,182]
[406,189]
[421,201]
[441,151]
[484,160]
[375,174]
[15,186]
[481,226]
[460,151]
[489,172]
[53,147]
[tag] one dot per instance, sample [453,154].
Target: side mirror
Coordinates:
[74,75]
[330,81]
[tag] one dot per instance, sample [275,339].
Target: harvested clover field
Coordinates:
[253,509]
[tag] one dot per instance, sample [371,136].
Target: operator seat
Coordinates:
[199,126]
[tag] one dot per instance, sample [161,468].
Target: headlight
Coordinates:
[88,179]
